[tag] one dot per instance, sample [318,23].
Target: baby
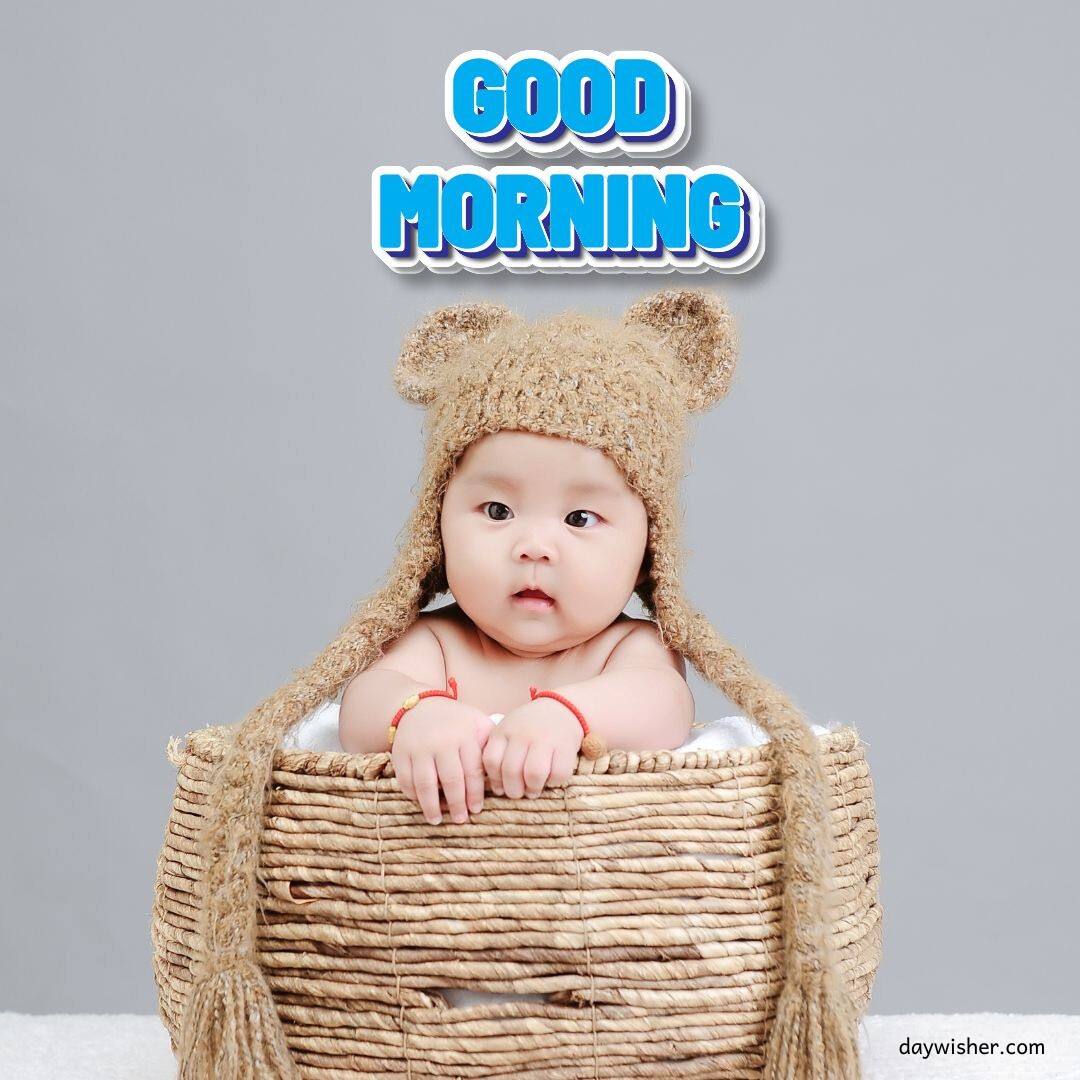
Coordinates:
[544,542]
[548,495]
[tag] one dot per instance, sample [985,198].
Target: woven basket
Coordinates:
[644,901]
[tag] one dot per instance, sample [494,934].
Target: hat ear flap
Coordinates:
[437,340]
[697,327]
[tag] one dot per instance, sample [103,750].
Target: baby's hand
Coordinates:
[535,745]
[438,743]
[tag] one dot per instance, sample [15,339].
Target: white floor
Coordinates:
[137,1048]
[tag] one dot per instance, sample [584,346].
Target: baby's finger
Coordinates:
[563,764]
[426,783]
[452,779]
[513,766]
[403,772]
[493,758]
[473,768]
[537,769]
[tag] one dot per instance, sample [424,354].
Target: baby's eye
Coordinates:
[497,511]
[575,516]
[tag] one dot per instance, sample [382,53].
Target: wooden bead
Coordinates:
[592,747]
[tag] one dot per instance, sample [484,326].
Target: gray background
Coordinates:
[205,465]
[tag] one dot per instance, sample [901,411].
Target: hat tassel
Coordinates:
[814,1034]
[232,1029]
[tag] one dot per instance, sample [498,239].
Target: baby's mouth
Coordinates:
[534,597]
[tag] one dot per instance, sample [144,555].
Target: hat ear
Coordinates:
[436,340]
[697,327]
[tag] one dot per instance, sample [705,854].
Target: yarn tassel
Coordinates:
[814,1035]
[231,1029]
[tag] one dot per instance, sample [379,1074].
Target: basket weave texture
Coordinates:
[643,900]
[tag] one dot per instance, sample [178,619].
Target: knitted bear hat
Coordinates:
[625,389]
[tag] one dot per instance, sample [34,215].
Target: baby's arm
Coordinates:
[640,701]
[413,663]
[439,740]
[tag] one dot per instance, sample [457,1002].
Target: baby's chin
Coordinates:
[532,641]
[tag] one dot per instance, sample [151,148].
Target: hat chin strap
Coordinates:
[814,1034]
[230,1026]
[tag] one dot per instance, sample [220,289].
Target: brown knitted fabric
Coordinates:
[625,389]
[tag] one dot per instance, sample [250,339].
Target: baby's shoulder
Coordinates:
[640,645]
[450,625]
[448,615]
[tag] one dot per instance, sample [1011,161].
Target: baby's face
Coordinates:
[532,511]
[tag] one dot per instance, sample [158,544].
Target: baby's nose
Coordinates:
[535,552]
[535,544]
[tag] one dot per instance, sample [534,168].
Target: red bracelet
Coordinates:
[415,699]
[592,746]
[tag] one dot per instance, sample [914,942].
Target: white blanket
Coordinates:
[319,731]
